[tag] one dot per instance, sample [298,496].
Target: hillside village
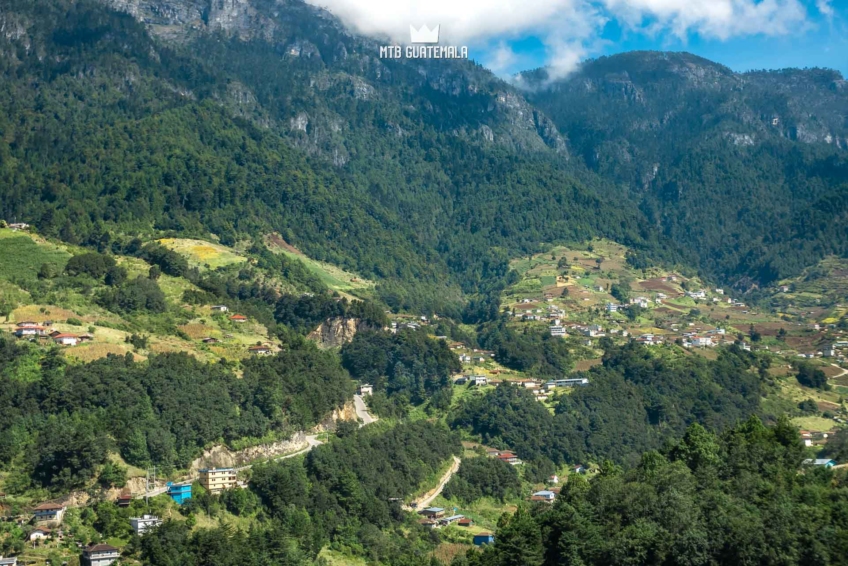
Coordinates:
[584,297]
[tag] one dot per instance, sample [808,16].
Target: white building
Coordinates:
[558,331]
[144,523]
[66,339]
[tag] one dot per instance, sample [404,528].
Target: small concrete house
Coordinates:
[180,493]
[219,308]
[545,496]
[49,513]
[433,512]
[11,561]
[365,389]
[66,339]
[39,533]
[141,525]
[23,331]
[100,555]
[259,350]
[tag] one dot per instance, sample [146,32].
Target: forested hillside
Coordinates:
[214,134]
[748,171]
[737,498]
[60,422]
[636,402]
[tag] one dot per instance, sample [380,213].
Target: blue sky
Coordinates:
[822,41]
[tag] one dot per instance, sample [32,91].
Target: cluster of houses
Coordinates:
[591,330]
[810,438]
[48,516]
[30,329]
[641,302]
[435,518]
[410,324]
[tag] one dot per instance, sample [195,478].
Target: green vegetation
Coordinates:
[746,198]
[406,367]
[691,504]
[483,477]
[59,426]
[23,259]
[635,402]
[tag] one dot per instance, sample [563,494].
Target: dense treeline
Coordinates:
[738,498]
[635,401]
[407,366]
[62,420]
[483,477]
[529,350]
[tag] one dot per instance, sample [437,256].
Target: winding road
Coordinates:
[428,497]
[362,411]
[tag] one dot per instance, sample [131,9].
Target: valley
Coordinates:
[355,310]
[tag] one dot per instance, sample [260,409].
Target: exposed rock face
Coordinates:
[336,332]
[223,457]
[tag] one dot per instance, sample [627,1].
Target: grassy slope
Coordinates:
[179,329]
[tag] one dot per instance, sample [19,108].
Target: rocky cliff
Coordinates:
[223,457]
[336,332]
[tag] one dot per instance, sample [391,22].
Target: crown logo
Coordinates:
[424,35]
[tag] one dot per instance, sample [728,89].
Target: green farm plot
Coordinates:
[334,277]
[21,257]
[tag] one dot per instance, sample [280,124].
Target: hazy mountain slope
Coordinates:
[740,168]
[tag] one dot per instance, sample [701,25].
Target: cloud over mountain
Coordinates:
[569,29]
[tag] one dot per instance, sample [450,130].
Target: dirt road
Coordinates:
[428,497]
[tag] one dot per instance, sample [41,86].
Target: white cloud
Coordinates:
[570,29]
[824,7]
[501,59]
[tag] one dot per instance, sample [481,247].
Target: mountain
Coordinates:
[232,119]
[748,171]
